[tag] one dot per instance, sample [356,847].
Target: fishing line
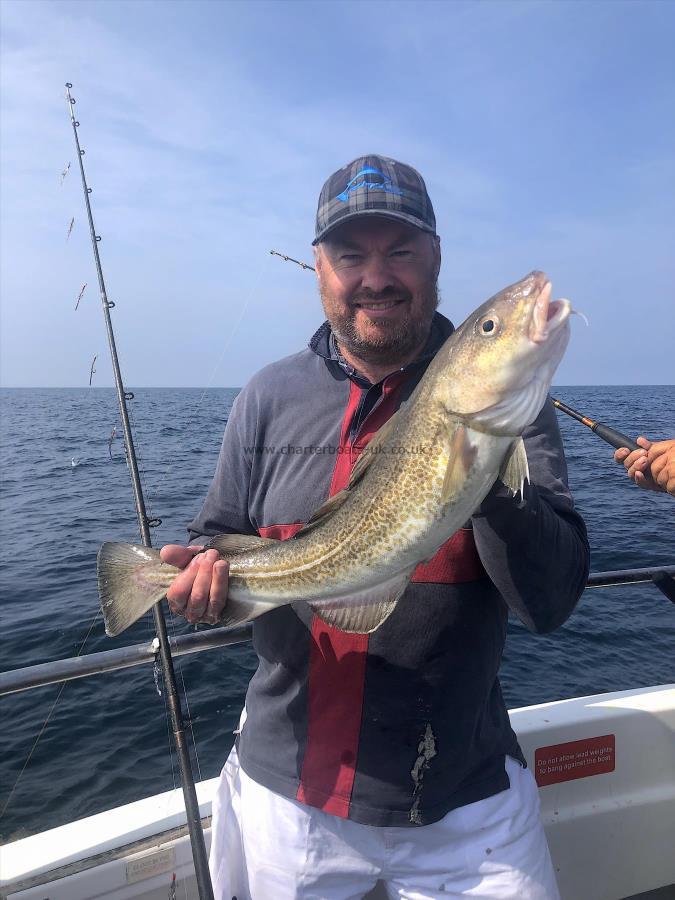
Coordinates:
[172,621]
[204,887]
[193,413]
[608,434]
[179,666]
[46,721]
[176,829]
[139,456]
[169,468]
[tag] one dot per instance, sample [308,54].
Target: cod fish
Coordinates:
[416,483]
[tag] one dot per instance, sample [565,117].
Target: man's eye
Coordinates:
[402,254]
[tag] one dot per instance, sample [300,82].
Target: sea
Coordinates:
[71,750]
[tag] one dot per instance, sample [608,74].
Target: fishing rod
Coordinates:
[611,435]
[303,265]
[187,779]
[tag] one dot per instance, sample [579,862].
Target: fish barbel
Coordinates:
[420,478]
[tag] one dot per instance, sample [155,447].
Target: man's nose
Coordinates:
[376,274]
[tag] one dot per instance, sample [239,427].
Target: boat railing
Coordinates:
[29,677]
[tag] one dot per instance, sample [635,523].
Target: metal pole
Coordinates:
[29,677]
[191,805]
[58,670]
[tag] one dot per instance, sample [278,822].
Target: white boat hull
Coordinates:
[607,795]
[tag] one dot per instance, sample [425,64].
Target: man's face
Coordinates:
[377,279]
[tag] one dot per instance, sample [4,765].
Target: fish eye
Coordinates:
[488,326]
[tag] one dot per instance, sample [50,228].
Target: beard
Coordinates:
[390,342]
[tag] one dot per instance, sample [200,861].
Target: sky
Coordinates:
[544,130]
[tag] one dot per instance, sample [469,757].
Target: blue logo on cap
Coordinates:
[365,179]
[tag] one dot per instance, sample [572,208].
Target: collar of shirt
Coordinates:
[324,344]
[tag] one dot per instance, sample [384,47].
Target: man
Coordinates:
[384,756]
[652,467]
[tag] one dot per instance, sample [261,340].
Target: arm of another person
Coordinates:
[653,467]
[199,593]
[536,550]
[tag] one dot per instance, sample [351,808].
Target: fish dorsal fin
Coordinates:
[324,511]
[462,455]
[233,544]
[371,450]
[368,455]
[365,611]
[515,470]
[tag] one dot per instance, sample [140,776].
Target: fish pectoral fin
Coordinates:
[365,611]
[462,456]
[232,544]
[515,470]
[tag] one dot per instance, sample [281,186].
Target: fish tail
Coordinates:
[131,579]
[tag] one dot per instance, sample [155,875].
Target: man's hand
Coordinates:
[200,591]
[652,467]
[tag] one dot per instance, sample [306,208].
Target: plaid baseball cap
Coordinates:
[374,185]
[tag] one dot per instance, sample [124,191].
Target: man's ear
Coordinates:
[318,259]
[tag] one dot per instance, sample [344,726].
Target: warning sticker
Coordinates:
[576,759]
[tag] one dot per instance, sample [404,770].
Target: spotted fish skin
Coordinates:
[417,482]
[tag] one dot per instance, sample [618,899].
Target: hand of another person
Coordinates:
[661,456]
[200,591]
[652,467]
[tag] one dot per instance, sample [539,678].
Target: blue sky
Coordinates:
[544,131]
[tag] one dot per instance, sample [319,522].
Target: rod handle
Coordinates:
[615,438]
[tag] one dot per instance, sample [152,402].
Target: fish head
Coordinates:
[498,365]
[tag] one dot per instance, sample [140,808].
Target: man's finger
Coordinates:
[178,555]
[201,588]
[657,465]
[179,592]
[641,464]
[640,480]
[218,594]
[631,459]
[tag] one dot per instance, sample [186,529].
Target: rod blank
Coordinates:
[173,700]
[611,435]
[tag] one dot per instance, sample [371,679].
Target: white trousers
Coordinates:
[267,847]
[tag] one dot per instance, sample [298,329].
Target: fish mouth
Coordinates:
[547,315]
